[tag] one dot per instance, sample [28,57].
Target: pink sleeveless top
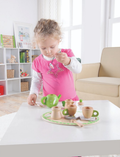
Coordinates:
[57,79]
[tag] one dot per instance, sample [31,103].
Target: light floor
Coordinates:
[10,104]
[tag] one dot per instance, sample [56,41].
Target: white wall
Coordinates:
[93,23]
[16,10]
[93,26]
[93,30]
[48,9]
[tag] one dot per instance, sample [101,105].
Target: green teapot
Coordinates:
[50,100]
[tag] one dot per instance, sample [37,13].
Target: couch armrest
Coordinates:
[88,70]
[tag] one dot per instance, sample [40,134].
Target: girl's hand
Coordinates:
[32,99]
[63,58]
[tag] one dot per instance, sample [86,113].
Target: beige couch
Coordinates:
[101,81]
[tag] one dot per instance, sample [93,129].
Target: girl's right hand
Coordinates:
[32,99]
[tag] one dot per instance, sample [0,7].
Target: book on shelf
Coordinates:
[7,41]
[24,56]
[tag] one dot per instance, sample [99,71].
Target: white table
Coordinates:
[29,135]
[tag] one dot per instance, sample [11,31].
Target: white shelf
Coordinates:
[2,64]
[13,78]
[24,49]
[13,85]
[26,63]
[35,49]
[11,48]
[2,80]
[26,77]
[11,63]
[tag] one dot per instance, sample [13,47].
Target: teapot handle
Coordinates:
[65,112]
[42,100]
[93,115]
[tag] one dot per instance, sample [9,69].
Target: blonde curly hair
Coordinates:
[47,28]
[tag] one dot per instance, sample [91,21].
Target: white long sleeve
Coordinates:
[75,66]
[36,83]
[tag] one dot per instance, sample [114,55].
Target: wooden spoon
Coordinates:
[76,122]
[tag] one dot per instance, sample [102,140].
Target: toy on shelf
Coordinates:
[23,74]
[12,59]
[7,41]
[34,45]
[24,56]
[1,90]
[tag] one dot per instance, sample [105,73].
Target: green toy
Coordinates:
[50,100]
[63,103]
[80,100]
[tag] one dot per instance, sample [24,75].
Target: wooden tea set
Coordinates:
[66,114]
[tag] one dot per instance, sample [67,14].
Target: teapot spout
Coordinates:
[59,96]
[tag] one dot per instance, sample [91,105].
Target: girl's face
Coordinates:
[49,46]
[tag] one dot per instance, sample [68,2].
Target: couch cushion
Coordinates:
[110,62]
[108,86]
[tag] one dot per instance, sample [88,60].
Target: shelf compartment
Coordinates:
[10,52]
[16,69]
[2,72]
[24,55]
[13,86]
[34,54]
[26,80]
[1,56]
[26,68]
[3,83]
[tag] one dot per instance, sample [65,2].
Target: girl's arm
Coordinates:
[36,82]
[75,66]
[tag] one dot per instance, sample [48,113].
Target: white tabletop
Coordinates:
[28,132]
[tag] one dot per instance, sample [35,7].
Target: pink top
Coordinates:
[57,79]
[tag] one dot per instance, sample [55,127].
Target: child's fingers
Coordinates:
[60,56]
[31,101]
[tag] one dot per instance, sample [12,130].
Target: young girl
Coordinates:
[54,67]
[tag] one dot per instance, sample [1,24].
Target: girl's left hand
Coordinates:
[63,58]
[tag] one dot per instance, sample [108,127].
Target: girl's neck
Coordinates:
[48,58]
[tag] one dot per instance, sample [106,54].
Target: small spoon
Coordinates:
[39,105]
[78,123]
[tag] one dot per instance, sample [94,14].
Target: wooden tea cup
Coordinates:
[68,102]
[88,112]
[70,110]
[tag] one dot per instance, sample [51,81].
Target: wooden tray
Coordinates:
[47,117]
